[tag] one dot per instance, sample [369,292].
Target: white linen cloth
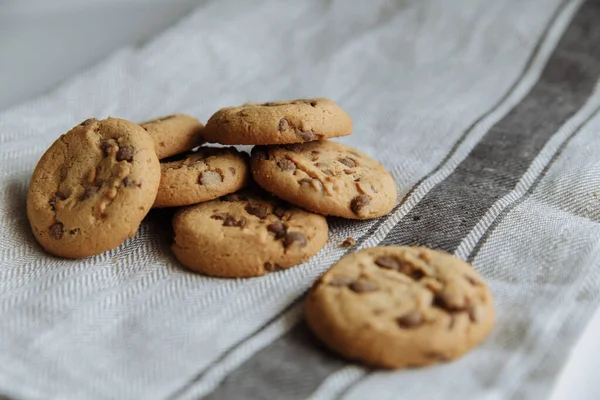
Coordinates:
[486,113]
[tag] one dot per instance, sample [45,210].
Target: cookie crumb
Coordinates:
[349,242]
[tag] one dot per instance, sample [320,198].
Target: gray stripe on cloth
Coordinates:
[535,184]
[261,365]
[449,211]
[279,370]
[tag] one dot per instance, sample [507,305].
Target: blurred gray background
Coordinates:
[43,42]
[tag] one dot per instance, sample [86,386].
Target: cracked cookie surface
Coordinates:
[282,122]
[174,134]
[245,234]
[201,175]
[92,188]
[396,307]
[325,177]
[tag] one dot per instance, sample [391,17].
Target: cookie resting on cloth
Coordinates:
[92,187]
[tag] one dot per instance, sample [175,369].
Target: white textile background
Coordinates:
[426,83]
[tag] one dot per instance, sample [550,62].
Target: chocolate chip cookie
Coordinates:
[326,177]
[282,122]
[246,234]
[396,307]
[174,134]
[201,175]
[92,187]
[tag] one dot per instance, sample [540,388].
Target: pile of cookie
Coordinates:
[246,216]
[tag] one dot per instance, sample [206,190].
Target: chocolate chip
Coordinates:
[105,145]
[401,266]
[279,212]
[220,216]
[57,196]
[448,302]
[74,231]
[125,153]
[88,121]
[364,285]
[89,192]
[232,170]
[314,183]
[272,267]
[210,178]
[349,242]
[410,320]
[294,237]
[307,136]
[128,182]
[56,230]
[296,148]
[286,165]
[313,103]
[340,281]
[359,202]
[348,172]
[348,162]
[414,273]
[269,104]
[258,210]
[324,168]
[231,221]
[388,263]
[277,228]
[284,125]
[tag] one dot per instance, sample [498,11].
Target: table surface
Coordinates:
[62,35]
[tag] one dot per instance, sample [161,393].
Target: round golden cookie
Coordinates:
[174,134]
[396,307]
[325,177]
[92,188]
[282,122]
[201,175]
[246,234]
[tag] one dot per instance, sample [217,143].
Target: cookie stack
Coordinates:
[97,182]
[246,216]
